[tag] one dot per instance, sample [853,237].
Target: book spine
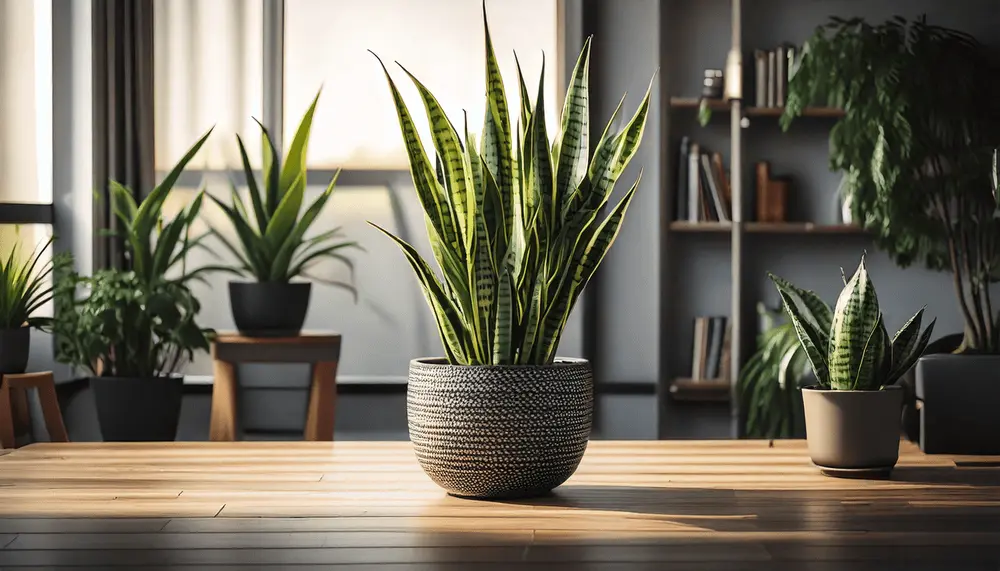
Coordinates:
[708,202]
[720,174]
[682,180]
[771,78]
[694,184]
[726,366]
[760,77]
[713,186]
[696,350]
[763,178]
[714,359]
[781,65]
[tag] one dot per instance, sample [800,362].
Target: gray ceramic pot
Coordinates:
[853,430]
[499,431]
[959,404]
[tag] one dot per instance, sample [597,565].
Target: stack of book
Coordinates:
[703,193]
[710,357]
[771,75]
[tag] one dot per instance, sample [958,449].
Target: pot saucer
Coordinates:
[878,473]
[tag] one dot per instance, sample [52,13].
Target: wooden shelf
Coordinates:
[767,228]
[703,390]
[721,105]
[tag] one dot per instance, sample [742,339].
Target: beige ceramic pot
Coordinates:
[853,431]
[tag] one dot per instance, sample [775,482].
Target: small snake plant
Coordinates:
[271,232]
[515,223]
[848,347]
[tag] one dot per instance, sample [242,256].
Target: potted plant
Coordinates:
[517,228]
[274,249]
[920,121]
[134,328]
[852,413]
[23,290]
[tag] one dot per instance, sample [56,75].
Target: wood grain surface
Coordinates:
[699,505]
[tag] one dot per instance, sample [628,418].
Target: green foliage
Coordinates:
[915,143]
[23,289]
[515,223]
[271,233]
[769,384]
[849,347]
[137,321]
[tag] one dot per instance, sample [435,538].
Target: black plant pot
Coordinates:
[138,410]
[269,309]
[14,348]
[959,396]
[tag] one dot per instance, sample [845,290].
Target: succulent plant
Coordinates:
[848,346]
[516,223]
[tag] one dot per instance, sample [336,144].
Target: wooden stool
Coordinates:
[321,351]
[14,406]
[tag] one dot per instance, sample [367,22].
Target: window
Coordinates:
[210,61]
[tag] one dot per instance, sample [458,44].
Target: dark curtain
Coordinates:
[123,113]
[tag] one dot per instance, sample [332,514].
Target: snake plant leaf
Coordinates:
[855,316]
[903,364]
[253,245]
[283,220]
[314,255]
[574,148]
[809,305]
[496,147]
[624,145]
[457,178]
[502,335]
[445,313]
[295,161]
[167,242]
[241,258]
[271,169]
[541,157]
[523,124]
[282,259]
[870,363]
[810,338]
[906,338]
[532,324]
[256,200]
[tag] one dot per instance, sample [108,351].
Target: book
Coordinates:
[763,177]
[713,361]
[697,350]
[771,77]
[781,72]
[708,202]
[760,77]
[694,183]
[682,180]
[725,369]
[714,190]
[723,178]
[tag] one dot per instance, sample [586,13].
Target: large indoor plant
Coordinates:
[920,121]
[273,247]
[24,288]
[853,412]
[133,328]
[517,227]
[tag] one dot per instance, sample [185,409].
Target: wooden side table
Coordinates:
[320,351]
[14,406]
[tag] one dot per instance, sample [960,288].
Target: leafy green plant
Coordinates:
[920,123]
[271,233]
[515,223]
[23,289]
[769,383]
[137,321]
[849,347]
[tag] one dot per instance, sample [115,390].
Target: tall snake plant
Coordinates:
[515,223]
[849,347]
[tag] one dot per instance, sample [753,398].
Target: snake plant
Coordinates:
[515,223]
[848,346]
[23,289]
[271,233]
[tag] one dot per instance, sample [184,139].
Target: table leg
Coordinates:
[223,425]
[49,401]
[322,402]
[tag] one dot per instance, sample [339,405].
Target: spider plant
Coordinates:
[516,223]
[23,289]
[848,346]
[272,235]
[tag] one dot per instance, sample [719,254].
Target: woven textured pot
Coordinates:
[499,431]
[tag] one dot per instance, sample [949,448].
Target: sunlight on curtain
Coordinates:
[208,71]
[440,41]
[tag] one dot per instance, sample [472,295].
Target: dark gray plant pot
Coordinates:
[15,346]
[269,309]
[138,410]
[499,431]
[959,404]
[853,432]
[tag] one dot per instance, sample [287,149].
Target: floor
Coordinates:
[709,505]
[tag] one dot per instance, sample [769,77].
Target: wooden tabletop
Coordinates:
[713,505]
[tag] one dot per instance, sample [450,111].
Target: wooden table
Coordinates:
[714,505]
[321,351]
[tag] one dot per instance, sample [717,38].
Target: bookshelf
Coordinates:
[720,106]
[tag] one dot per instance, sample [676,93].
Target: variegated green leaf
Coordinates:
[502,347]
[541,159]
[903,364]
[854,317]
[573,145]
[810,339]
[866,377]
[906,338]
[809,306]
